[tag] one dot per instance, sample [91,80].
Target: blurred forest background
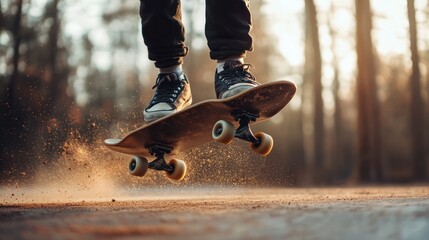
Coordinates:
[79,69]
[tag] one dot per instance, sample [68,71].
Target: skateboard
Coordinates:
[220,120]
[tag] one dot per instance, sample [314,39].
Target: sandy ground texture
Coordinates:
[225,213]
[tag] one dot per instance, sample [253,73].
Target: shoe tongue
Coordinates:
[231,64]
[171,78]
[166,79]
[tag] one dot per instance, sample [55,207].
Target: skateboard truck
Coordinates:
[243,131]
[159,163]
[175,168]
[225,132]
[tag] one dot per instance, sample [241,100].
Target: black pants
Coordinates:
[228,24]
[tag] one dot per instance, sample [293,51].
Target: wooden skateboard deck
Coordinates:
[193,126]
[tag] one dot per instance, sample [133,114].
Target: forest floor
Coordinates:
[387,212]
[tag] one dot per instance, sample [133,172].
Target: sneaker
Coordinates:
[234,79]
[172,94]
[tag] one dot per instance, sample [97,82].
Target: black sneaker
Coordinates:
[234,79]
[172,94]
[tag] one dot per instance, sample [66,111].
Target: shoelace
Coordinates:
[168,87]
[238,73]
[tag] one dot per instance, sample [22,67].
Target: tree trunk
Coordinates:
[313,76]
[2,23]
[338,159]
[16,32]
[427,110]
[54,82]
[427,87]
[368,168]
[417,122]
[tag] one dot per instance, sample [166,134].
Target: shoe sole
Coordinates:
[152,116]
[236,90]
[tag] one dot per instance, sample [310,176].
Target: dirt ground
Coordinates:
[225,213]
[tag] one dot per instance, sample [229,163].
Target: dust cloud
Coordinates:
[90,172]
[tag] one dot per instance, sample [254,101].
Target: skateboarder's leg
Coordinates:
[163,31]
[228,25]
[164,36]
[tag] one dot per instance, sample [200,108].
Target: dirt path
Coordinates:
[218,213]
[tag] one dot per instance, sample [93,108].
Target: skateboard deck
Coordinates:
[194,126]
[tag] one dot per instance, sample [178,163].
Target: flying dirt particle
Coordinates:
[180,220]
[113,200]
[13,194]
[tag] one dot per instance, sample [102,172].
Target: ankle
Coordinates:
[173,69]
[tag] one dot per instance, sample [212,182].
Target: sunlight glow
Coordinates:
[390,34]
[390,27]
[285,21]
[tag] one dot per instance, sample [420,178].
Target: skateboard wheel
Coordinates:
[179,169]
[138,166]
[223,132]
[265,146]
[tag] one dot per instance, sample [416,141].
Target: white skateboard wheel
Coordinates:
[179,169]
[266,145]
[223,132]
[138,166]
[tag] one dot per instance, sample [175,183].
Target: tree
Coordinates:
[417,121]
[338,139]
[2,20]
[54,32]
[368,168]
[313,78]
[426,60]
[16,33]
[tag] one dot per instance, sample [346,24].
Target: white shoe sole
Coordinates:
[236,89]
[155,115]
